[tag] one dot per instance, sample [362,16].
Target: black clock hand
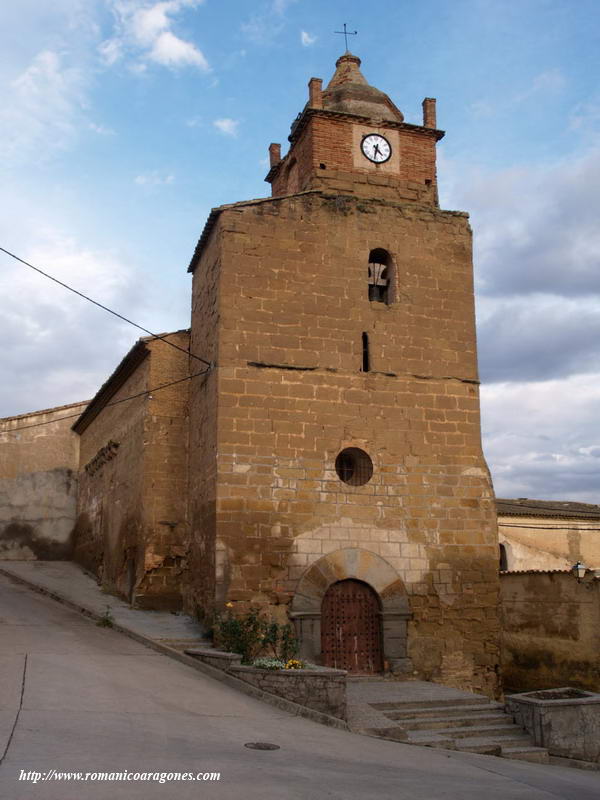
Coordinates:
[376,150]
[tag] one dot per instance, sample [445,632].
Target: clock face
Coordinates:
[376,148]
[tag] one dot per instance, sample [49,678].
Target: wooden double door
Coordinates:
[351,628]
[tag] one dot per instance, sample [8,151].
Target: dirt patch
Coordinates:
[559,694]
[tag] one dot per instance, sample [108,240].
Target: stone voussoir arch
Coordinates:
[361,565]
[350,562]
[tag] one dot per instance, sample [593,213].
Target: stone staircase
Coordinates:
[474,725]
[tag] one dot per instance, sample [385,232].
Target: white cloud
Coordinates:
[145,30]
[101,130]
[541,439]
[154,178]
[536,337]
[551,81]
[536,227]
[138,67]
[281,6]
[268,22]
[482,109]
[585,117]
[148,23]
[227,126]
[58,347]
[171,51]
[42,110]
[110,51]
[537,262]
[307,39]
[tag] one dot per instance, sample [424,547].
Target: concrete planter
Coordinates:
[319,688]
[565,721]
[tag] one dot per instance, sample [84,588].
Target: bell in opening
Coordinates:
[379,276]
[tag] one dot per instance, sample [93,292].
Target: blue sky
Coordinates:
[125,121]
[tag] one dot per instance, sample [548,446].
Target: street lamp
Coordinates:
[579,569]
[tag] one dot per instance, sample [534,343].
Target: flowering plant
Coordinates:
[295,663]
[268,663]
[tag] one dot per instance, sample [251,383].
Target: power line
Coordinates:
[114,403]
[105,308]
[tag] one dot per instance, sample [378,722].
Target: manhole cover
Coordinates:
[261,746]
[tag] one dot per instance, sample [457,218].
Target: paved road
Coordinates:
[87,699]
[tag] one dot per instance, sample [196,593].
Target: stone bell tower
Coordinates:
[336,471]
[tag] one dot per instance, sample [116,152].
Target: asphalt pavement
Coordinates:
[78,698]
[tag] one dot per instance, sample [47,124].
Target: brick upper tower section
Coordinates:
[325,143]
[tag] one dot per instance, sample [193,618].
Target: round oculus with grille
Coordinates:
[354,466]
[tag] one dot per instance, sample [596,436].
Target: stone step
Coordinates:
[400,705]
[395,734]
[538,755]
[445,711]
[488,745]
[435,723]
[471,723]
[510,730]
[559,761]
[483,746]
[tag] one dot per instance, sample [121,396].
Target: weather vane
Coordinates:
[345,33]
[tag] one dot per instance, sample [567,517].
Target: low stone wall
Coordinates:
[321,689]
[565,721]
[216,658]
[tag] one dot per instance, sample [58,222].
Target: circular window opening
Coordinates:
[354,466]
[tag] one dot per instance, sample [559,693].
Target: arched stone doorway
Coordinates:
[371,569]
[351,628]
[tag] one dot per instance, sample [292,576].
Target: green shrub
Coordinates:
[106,620]
[253,635]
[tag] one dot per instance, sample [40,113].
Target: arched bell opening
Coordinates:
[379,276]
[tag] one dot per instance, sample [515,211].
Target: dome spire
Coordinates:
[349,91]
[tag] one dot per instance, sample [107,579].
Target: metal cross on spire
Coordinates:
[345,33]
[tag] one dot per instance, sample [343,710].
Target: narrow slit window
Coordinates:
[379,276]
[366,360]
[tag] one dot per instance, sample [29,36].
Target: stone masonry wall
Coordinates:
[45,446]
[109,537]
[323,690]
[550,630]
[132,523]
[293,305]
[165,484]
[38,484]
[199,580]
